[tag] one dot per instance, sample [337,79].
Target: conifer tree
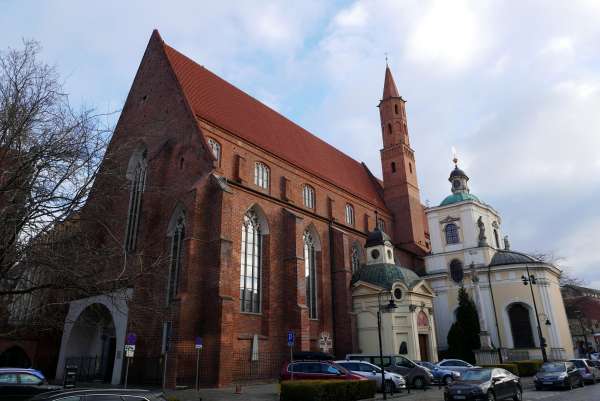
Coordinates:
[463,336]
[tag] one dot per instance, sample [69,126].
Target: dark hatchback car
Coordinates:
[21,384]
[100,394]
[485,384]
[558,374]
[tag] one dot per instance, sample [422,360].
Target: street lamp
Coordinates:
[531,280]
[380,308]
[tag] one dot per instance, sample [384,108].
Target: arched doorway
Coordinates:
[520,325]
[92,344]
[14,357]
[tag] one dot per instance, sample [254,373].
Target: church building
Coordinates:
[258,223]
[518,297]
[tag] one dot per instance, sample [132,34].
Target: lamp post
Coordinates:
[380,308]
[531,280]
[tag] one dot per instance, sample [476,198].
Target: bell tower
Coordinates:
[401,190]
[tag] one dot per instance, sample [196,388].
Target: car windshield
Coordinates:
[552,367]
[477,375]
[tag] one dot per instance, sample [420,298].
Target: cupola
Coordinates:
[379,248]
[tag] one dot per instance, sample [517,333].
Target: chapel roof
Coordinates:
[384,275]
[217,101]
[504,257]
[377,237]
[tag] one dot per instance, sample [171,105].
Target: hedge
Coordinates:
[511,367]
[327,390]
[528,368]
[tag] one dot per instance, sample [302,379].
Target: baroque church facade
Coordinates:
[518,297]
[260,224]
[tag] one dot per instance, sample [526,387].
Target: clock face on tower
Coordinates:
[374,253]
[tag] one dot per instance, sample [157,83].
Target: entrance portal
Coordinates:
[14,357]
[424,347]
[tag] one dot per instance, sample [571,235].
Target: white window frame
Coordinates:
[350,214]
[215,147]
[262,175]
[251,264]
[310,274]
[308,193]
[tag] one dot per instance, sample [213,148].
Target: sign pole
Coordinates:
[127,371]
[197,367]
[292,359]
[165,370]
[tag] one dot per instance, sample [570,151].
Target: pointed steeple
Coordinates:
[389,86]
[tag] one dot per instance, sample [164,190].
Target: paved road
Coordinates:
[269,392]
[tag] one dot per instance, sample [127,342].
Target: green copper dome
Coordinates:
[385,274]
[459,197]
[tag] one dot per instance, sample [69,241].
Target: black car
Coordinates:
[558,374]
[485,384]
[100,394]
[21,384]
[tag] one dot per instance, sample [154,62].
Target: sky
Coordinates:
[513,87]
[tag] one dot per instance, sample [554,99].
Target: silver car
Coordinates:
[393,381]
[588,369]
[455,365]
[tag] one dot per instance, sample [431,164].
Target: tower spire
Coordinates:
[389,86]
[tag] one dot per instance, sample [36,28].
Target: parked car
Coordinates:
[393,381]
[415,375]
[440,375]
[456,365]
[558,374]
[21,384]
[487,384]
[316,370]
[588,370]
[100,394]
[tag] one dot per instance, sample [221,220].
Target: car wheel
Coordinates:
[491,396]
[447,380]
[390,388]
[418,382]
[518,395]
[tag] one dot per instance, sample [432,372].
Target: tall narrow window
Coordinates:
[497,239]
[215,147]
[393,167]
[349,215]
[390,129]
[250,271]
[261,175]
[451,234]
[136,173]
[381,224]
[309,196]
[177,234]
[355,259]
[396,108]
[310,273]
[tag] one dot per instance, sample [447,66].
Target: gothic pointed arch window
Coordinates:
[261,175]
[520,326]
[355,259]
[251,263]
[176,234]
[349,214]
[451,231]
[310,273]
[136,174]
[308,193]
[215,147]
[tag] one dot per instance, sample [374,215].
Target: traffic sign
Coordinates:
[290,338]
[325,342]
[199,343]
[129,350]
[131,339]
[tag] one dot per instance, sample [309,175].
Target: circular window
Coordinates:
[398,293]
[374,253]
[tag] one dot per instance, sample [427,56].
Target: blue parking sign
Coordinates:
[290,338]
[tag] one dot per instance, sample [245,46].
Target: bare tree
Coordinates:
[50,155]
[567,276]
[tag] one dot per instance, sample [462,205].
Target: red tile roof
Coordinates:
[217,101]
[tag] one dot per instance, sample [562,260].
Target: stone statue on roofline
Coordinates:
[482,237]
